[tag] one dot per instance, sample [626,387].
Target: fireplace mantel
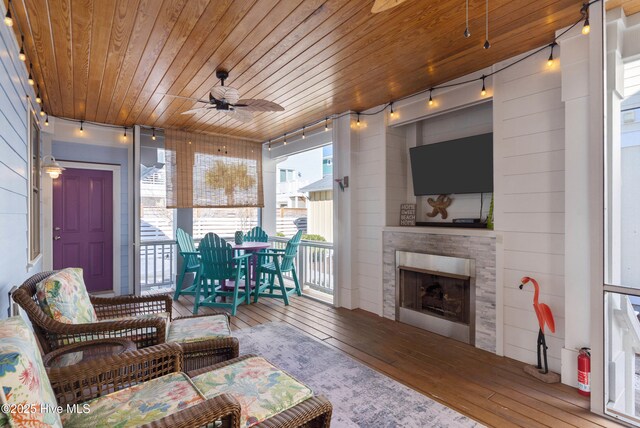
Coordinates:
[458,231]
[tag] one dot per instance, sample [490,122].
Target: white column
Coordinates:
[582,82]
[344,144]
[269,189]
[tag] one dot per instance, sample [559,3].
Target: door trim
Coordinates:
[48,220]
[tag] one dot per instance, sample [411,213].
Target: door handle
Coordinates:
[55,238]
[56,228]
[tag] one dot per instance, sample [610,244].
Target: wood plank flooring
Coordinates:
[490,389]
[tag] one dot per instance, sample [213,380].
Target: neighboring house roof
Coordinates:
[326,183]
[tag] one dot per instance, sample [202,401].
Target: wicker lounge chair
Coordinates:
[147,388]
[130,317]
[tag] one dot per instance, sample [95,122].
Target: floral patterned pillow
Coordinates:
[63,296]
[24,385]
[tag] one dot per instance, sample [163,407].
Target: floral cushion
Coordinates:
[195,329]
[261,389]
[23,379]
[63,296]
[139,404]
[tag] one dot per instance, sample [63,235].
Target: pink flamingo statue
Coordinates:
[545,317]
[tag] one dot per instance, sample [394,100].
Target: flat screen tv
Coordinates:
[457,166]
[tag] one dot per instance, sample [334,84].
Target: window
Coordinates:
[34,184]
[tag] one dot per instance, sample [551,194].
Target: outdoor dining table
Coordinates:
[253,248]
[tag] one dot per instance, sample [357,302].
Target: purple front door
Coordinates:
[83,225]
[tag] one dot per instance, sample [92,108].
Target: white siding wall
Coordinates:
[529,201]
[368,185]
[14,167]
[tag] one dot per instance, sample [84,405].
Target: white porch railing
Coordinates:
[157,265]
[314,264]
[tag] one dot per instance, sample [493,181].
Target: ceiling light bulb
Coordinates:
[42,113]
[587,28]
[22,55]
[358,121]
[269,145]
[81,127]
[125,133]
[483,92]
[153,134]
[285,139]
[38,99]
[30,80]
[46,121]
[8,20]
[430,99]
[326,124]
[303,136]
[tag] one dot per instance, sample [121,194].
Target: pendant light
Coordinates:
[483,92]
[586,29]
[326,124]
[22,55]
[303,136]
[30,78]
[430,97]
[153,134]
[82,126]
[8,19]
[550,60]
[467,33]
[486,45]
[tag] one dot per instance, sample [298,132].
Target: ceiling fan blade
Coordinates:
[225,93]
[186,98]
[382,5]
[197,110]
[240,115]
[259,105]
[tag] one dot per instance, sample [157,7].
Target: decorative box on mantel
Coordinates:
[473,248]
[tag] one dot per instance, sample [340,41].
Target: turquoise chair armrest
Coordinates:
[242,257]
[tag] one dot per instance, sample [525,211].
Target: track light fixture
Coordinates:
[22,55]
[483,92]
[586,29]
[153,134]
[486,45]
[467,33]
[8,19]
[82,126]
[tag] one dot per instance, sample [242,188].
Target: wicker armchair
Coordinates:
[78,384]
[143,332]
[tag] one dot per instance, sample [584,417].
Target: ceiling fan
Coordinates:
[382,5]
[226,99]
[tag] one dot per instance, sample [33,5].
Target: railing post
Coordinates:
[301,267]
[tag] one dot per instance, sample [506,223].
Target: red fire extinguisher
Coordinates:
[584,371]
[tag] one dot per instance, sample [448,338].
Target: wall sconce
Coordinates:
[51,167]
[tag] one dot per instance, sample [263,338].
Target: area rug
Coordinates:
[361,396]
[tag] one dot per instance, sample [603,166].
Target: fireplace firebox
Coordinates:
[436,293]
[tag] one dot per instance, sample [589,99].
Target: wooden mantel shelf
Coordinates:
[460,231]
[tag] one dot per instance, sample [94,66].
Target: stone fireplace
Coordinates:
[435,293]
[456,298]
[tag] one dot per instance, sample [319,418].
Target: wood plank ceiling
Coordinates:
[110,61]
[630,7]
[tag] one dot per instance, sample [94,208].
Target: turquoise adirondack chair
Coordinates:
[191,263]
[220,272]
[256,235]
[273,263]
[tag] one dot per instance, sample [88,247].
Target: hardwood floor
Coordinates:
[491,389]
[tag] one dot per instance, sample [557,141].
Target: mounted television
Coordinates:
[457,166]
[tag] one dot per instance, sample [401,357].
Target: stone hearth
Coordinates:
[482,249]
